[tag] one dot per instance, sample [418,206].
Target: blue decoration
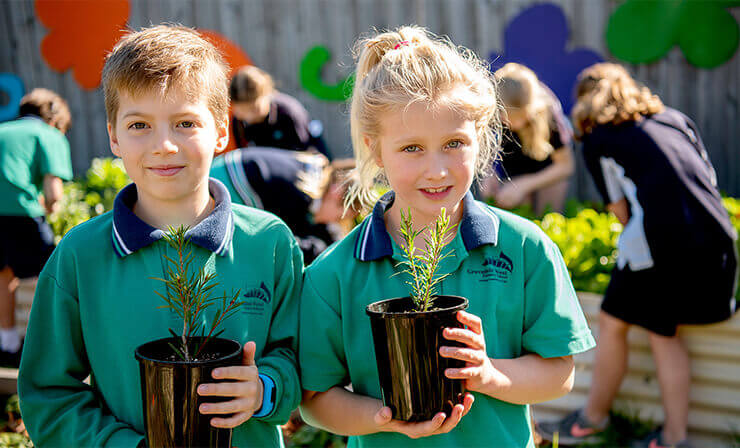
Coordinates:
[537,38]
[13,87]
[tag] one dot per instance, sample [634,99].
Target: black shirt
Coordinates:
[272,175]
[286,127]
[513,160]
[665,159]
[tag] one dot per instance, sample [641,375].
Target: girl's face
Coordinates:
[428,155]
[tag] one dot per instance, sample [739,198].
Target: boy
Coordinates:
[265,117]
[166,99]
[34,158]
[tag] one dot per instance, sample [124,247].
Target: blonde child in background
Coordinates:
[537,154]
[424,117]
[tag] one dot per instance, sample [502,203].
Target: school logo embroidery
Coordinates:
[495,268]
[256,299]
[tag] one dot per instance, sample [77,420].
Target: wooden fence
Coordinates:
[277,33]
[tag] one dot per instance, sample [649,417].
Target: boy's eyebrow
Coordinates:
[144,114]
[134,112]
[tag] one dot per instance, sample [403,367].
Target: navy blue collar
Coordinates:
[214,232]
[479,226]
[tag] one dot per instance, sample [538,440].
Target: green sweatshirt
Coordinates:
[95,303]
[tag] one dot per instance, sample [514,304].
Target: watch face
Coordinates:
[277,135]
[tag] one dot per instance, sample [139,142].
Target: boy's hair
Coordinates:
[409,65]
[606,93]
[163,57]
[48,106]
[519,88]
[250,83]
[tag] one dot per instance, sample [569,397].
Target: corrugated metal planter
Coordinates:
[23,299]
[714,413]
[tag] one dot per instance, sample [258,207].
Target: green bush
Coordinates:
[588,242]
[9,438]
[587,238]
[90,196]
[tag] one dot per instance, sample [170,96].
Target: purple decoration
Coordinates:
[537,38]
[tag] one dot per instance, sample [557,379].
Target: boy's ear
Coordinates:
[113,140]
[222,139]
[376,154]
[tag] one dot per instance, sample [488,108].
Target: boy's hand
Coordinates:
[437,425]
[479,373]
[247,391]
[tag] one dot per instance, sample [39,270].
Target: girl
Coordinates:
[265,117]
[424,118]
[536,158]
[651,167]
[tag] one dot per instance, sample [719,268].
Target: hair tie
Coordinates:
[400,44]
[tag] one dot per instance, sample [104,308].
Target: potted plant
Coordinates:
[172,368]
[407,331]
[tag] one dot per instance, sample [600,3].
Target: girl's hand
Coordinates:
[439,424]
[490,186]
[510,195]
[247,391]
[479,373]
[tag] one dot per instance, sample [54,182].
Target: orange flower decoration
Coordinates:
[234,56]
[81,33]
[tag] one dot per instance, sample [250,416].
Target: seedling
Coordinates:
[422,264]
[188,294]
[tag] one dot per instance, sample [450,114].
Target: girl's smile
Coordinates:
[436,194]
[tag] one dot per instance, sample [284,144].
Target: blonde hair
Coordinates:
[608,94]
[250,83]
[48,106]
[520,88]
[162,57]
[408,65]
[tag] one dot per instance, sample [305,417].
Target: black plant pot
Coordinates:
[410,368]
[169,394]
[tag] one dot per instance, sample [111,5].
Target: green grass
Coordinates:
[625,427]
[309,437]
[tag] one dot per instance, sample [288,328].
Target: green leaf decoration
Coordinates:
[642,31]
[310,75]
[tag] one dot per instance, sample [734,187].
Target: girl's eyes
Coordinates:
[187,124]
[454,144]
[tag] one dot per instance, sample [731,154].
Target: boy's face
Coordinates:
[167,143]
[254,112]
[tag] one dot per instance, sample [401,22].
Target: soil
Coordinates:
[202,357]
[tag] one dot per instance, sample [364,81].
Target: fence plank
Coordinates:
[277,33]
